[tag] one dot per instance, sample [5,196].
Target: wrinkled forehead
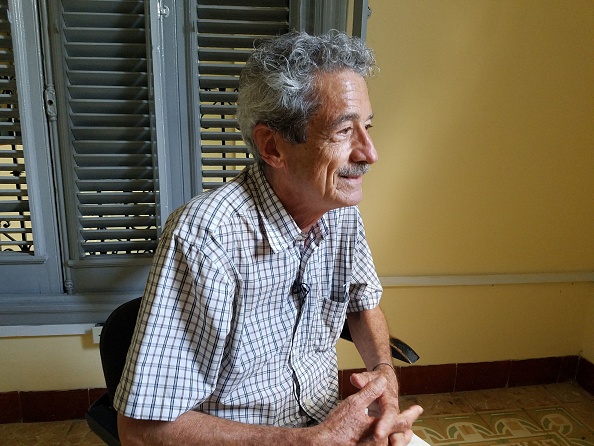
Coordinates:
[340,95]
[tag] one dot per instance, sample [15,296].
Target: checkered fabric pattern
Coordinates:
[242,310]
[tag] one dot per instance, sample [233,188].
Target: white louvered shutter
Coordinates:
[226,33]
[99,50]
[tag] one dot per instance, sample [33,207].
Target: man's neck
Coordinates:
[296,206]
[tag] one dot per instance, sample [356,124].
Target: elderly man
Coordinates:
[251,283]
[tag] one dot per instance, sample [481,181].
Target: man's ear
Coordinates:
[267,142]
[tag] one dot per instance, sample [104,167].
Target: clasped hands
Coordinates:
[372,415]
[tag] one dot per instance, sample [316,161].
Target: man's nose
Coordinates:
[364,149]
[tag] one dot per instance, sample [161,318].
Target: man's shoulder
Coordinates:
[209,210]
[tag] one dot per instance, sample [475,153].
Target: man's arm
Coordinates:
[347,425]
[371,336]
[193,428]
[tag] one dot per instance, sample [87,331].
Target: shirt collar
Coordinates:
[277,224]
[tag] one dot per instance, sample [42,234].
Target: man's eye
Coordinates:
[345,131]
[368,126]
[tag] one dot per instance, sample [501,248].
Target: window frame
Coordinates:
[43,268]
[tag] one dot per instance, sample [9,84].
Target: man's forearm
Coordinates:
[371,336]
[347,425]
[193,428]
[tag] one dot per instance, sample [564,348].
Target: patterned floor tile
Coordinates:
[492,400]
[445,404]
[453,430]
[558,419]
[568,392]
[532,396]
[519,428]
[59,433]
[583,411]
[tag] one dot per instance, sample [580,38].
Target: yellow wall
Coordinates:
[488,323]
[484,125]
[484,130]
[50,363]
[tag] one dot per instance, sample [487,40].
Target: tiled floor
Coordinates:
[557,414]
[62,433]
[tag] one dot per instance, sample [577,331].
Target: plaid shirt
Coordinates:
[242,310]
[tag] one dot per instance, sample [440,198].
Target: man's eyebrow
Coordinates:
[348,117]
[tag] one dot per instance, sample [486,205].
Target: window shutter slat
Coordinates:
[100,92]
[227,162]
[220,69]
[252,3]
[116,209]
[116,247]
[227,55]
[216,40]
[242,13]
[218,123]
[14,206]
[220,173]
[108,50]
[110,22]
[240,27]
[108,134]
[221,136]
[115,160]
[212,97]
[220,149]
[218,82]
[218,109]
[104,6]
[106,172]
[126,197]
[107,63]
[92,222]
[110,106]
[114,78]
[98,185]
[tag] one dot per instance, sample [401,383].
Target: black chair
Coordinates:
[116,337]
[400,349]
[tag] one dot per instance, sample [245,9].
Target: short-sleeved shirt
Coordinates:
[242,310]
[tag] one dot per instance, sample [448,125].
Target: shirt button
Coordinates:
[307,402]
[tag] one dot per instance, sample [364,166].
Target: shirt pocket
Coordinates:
[329,322]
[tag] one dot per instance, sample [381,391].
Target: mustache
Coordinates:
[354,170]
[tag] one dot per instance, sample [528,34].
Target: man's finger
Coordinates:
[401,439]
[412,413]
[401,423]
[360,380]
[370,392]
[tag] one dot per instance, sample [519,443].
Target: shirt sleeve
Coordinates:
[365,288]
[176,352]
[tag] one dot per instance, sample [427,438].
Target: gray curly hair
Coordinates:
[277,85]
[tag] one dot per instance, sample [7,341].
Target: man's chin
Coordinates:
[352,198]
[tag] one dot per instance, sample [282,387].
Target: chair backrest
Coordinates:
[115,340]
